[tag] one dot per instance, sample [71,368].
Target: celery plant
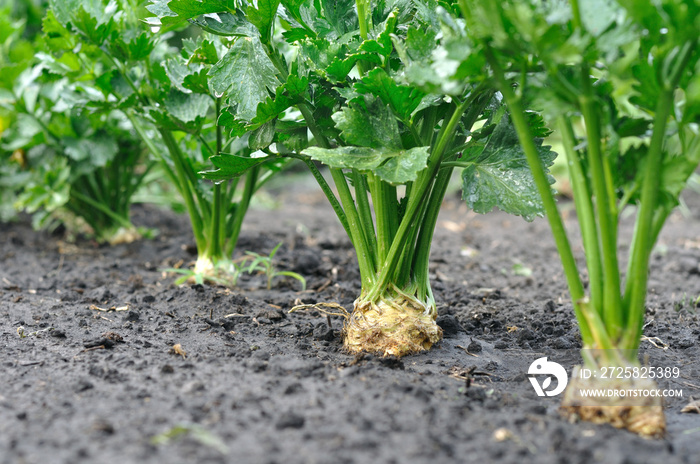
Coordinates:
[359,79]
[620,82]
[60,163]
[164,87]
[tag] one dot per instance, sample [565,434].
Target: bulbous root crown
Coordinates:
[204,266]
[391,327]
[124,235]
[643,415]
[209,271]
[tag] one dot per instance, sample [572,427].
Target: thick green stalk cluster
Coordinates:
[610,316]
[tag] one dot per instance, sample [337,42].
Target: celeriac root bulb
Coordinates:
[643,415]
[391,327]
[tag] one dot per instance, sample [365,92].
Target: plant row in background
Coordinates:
[392,97]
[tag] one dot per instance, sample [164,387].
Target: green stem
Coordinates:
[362,7]
[214,236]
[421,259]
[612,304]
[404,273]
[585,212]
[102,208]
[636,288]
[215,232]
[383,202]
[365,212]
[576,11]
[187,189]
[646,229]
[243,205]
[357,236]
[154,150]
[419,194]
[349,216]
[335,204]
[538,173]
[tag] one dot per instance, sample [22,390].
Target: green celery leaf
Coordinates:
[187,107]
[368,124]
[394,166]
[95,151]
[228,120]
[420,43]
[164,15]
[402,99]
[382,44]
[338,69]
[263,17]
[677,169]
[204,52]
[598,15]
[341,16]
[230,166]
[296,34]
[286,95]
[247,74]
[262,136]
[332,60]
[271,108]
[226,24]
[57,36]
[177,71]
[291,136]
[140,47]
[187,9]
[497,174]
[405,166]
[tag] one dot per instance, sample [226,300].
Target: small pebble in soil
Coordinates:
[450,326]
[474,347]
[57,333]
[99,341]
[525,335]
[167,369]
[82,385]
[562,343]
[293,388]
[290,420]
[104,427]
[539,409]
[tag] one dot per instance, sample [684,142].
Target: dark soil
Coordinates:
[255,384]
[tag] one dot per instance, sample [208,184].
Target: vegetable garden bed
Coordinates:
[90,373]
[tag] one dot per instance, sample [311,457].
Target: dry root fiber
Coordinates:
[632,410]
[395,327]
